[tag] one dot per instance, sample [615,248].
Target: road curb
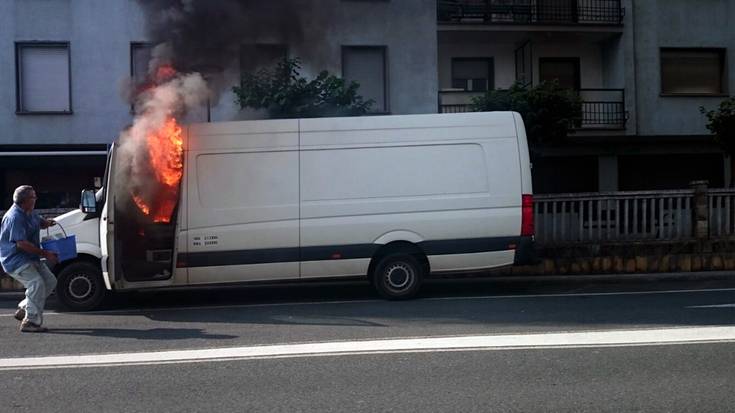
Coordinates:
[610,278]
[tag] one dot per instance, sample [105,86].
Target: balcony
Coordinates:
[602,109]
[530,12]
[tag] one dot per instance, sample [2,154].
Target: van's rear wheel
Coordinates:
[80,286]
[398,276]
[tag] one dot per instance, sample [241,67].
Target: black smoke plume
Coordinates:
[206,35]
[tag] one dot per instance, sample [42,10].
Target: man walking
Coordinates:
[20,254]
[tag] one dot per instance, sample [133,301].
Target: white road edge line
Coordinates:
[614,338]
[297,303]
[713,306]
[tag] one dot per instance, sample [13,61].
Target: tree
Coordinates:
[548,110]
[284,93]
[721,122]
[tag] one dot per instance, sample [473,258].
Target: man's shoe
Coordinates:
[20,314]
[28,327]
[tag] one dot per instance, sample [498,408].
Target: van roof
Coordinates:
[353,123]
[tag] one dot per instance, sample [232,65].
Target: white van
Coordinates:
[391,198]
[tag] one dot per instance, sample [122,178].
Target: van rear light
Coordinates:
[527,227]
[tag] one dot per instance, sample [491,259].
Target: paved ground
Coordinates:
[664,372]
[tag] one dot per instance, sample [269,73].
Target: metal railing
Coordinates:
[594,12]
[721,207]
[456,108]
[456,100]
[616,217]
[611,217]
[601,108]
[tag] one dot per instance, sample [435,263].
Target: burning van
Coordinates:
[389,198]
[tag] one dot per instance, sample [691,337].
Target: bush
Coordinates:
[548,110]
[284,93]
[721,122]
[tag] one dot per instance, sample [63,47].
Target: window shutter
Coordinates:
[366,66]
[691,71]
[44,79]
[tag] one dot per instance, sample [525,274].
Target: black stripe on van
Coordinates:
[338,252]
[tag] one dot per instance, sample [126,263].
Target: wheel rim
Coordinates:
[81,287]
[399,276]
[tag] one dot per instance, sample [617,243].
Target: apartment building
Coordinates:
[67,64]
[642,69]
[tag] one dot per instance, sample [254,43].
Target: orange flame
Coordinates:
[164,73]
[141,204]
[165,152]
[165,148]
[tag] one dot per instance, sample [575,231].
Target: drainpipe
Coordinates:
[635,66]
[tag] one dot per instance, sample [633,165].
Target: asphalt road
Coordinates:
[652,374]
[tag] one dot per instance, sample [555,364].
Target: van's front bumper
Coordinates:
[526,252]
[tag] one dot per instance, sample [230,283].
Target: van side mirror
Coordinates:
[88,205]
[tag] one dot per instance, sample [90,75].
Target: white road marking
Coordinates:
[614,338]
[584,294]
[713,306]
[302,303]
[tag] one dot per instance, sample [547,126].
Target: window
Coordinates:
[140,57]
[43,80]
[473,74]
[254,57]
[692,71]
[366,66]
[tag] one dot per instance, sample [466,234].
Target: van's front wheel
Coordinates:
[80,286]
[398,276]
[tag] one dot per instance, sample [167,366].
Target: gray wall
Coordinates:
[100,32]
[407,28]
[676,23]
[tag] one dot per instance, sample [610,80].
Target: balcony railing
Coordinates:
[601,108]
[576,12]
[456,100]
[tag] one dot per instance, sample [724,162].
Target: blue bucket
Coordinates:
[65,248]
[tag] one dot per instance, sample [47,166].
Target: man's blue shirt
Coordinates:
[18,226]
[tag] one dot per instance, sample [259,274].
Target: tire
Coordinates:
[80,286]
[398,276]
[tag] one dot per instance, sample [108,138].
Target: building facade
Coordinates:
[642,68]
[67,67]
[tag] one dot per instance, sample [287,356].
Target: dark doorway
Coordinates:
[58,180]
[565,70]
[565,174]
[670,171]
